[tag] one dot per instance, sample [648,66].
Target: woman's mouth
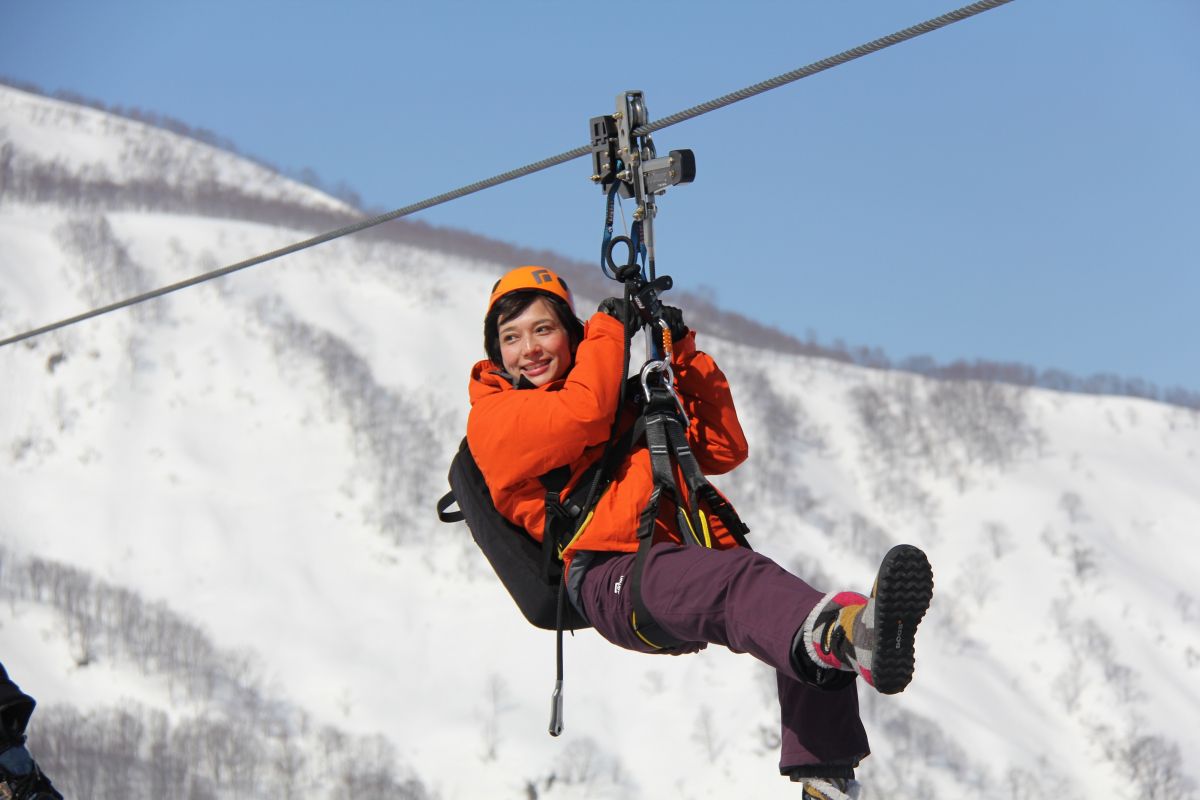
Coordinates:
[536,368]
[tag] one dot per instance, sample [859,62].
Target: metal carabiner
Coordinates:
[660,366]
[663,367]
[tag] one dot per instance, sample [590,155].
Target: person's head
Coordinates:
[531,330]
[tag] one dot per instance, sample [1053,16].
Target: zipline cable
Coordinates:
[820,66]
[780,80]
[307,243]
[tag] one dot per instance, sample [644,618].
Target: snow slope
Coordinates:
[101,147]
[218,508]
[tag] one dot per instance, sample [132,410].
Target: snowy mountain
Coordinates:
[223,578]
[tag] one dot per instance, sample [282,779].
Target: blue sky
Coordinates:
[1022,186]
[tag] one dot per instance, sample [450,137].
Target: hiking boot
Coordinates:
[830,788]
[874,636]
[20,778]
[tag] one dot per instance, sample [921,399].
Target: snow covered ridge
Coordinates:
[216,529]
[44,140]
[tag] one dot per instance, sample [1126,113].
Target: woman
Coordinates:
[546,397]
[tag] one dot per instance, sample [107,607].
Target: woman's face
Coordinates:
[534,344]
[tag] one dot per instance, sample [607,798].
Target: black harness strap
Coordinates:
[701,490]
[644,624]
[568,517]
[559,517]
[666,440]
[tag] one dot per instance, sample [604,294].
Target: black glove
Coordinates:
[674,319]
[14,716]
[620,310]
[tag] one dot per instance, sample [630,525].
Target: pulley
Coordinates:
[625,163]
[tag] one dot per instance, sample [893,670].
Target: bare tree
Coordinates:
[497,704]
[999,537]
[1153,764]
[1072,505]
[706,733]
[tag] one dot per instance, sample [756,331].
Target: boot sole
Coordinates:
[903,591]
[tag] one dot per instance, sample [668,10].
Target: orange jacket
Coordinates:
[517,435]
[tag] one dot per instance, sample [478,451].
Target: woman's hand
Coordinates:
[622,311]
[674,319]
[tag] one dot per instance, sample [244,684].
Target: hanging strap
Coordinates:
[443,508]
[556,699]
[563,517]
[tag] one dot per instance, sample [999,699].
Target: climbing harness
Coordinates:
[662,425]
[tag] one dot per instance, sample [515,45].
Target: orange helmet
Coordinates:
[530,277]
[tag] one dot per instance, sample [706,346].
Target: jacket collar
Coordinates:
[487,379]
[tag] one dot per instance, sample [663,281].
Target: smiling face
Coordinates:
[534,344]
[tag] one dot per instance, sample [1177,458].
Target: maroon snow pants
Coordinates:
[746,602]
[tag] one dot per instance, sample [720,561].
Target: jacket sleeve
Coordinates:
[715,434]
[521,434]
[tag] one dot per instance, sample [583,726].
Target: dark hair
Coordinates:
[514,304]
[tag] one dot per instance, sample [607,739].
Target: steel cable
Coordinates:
[537,166]
[307,243]
[820,66]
